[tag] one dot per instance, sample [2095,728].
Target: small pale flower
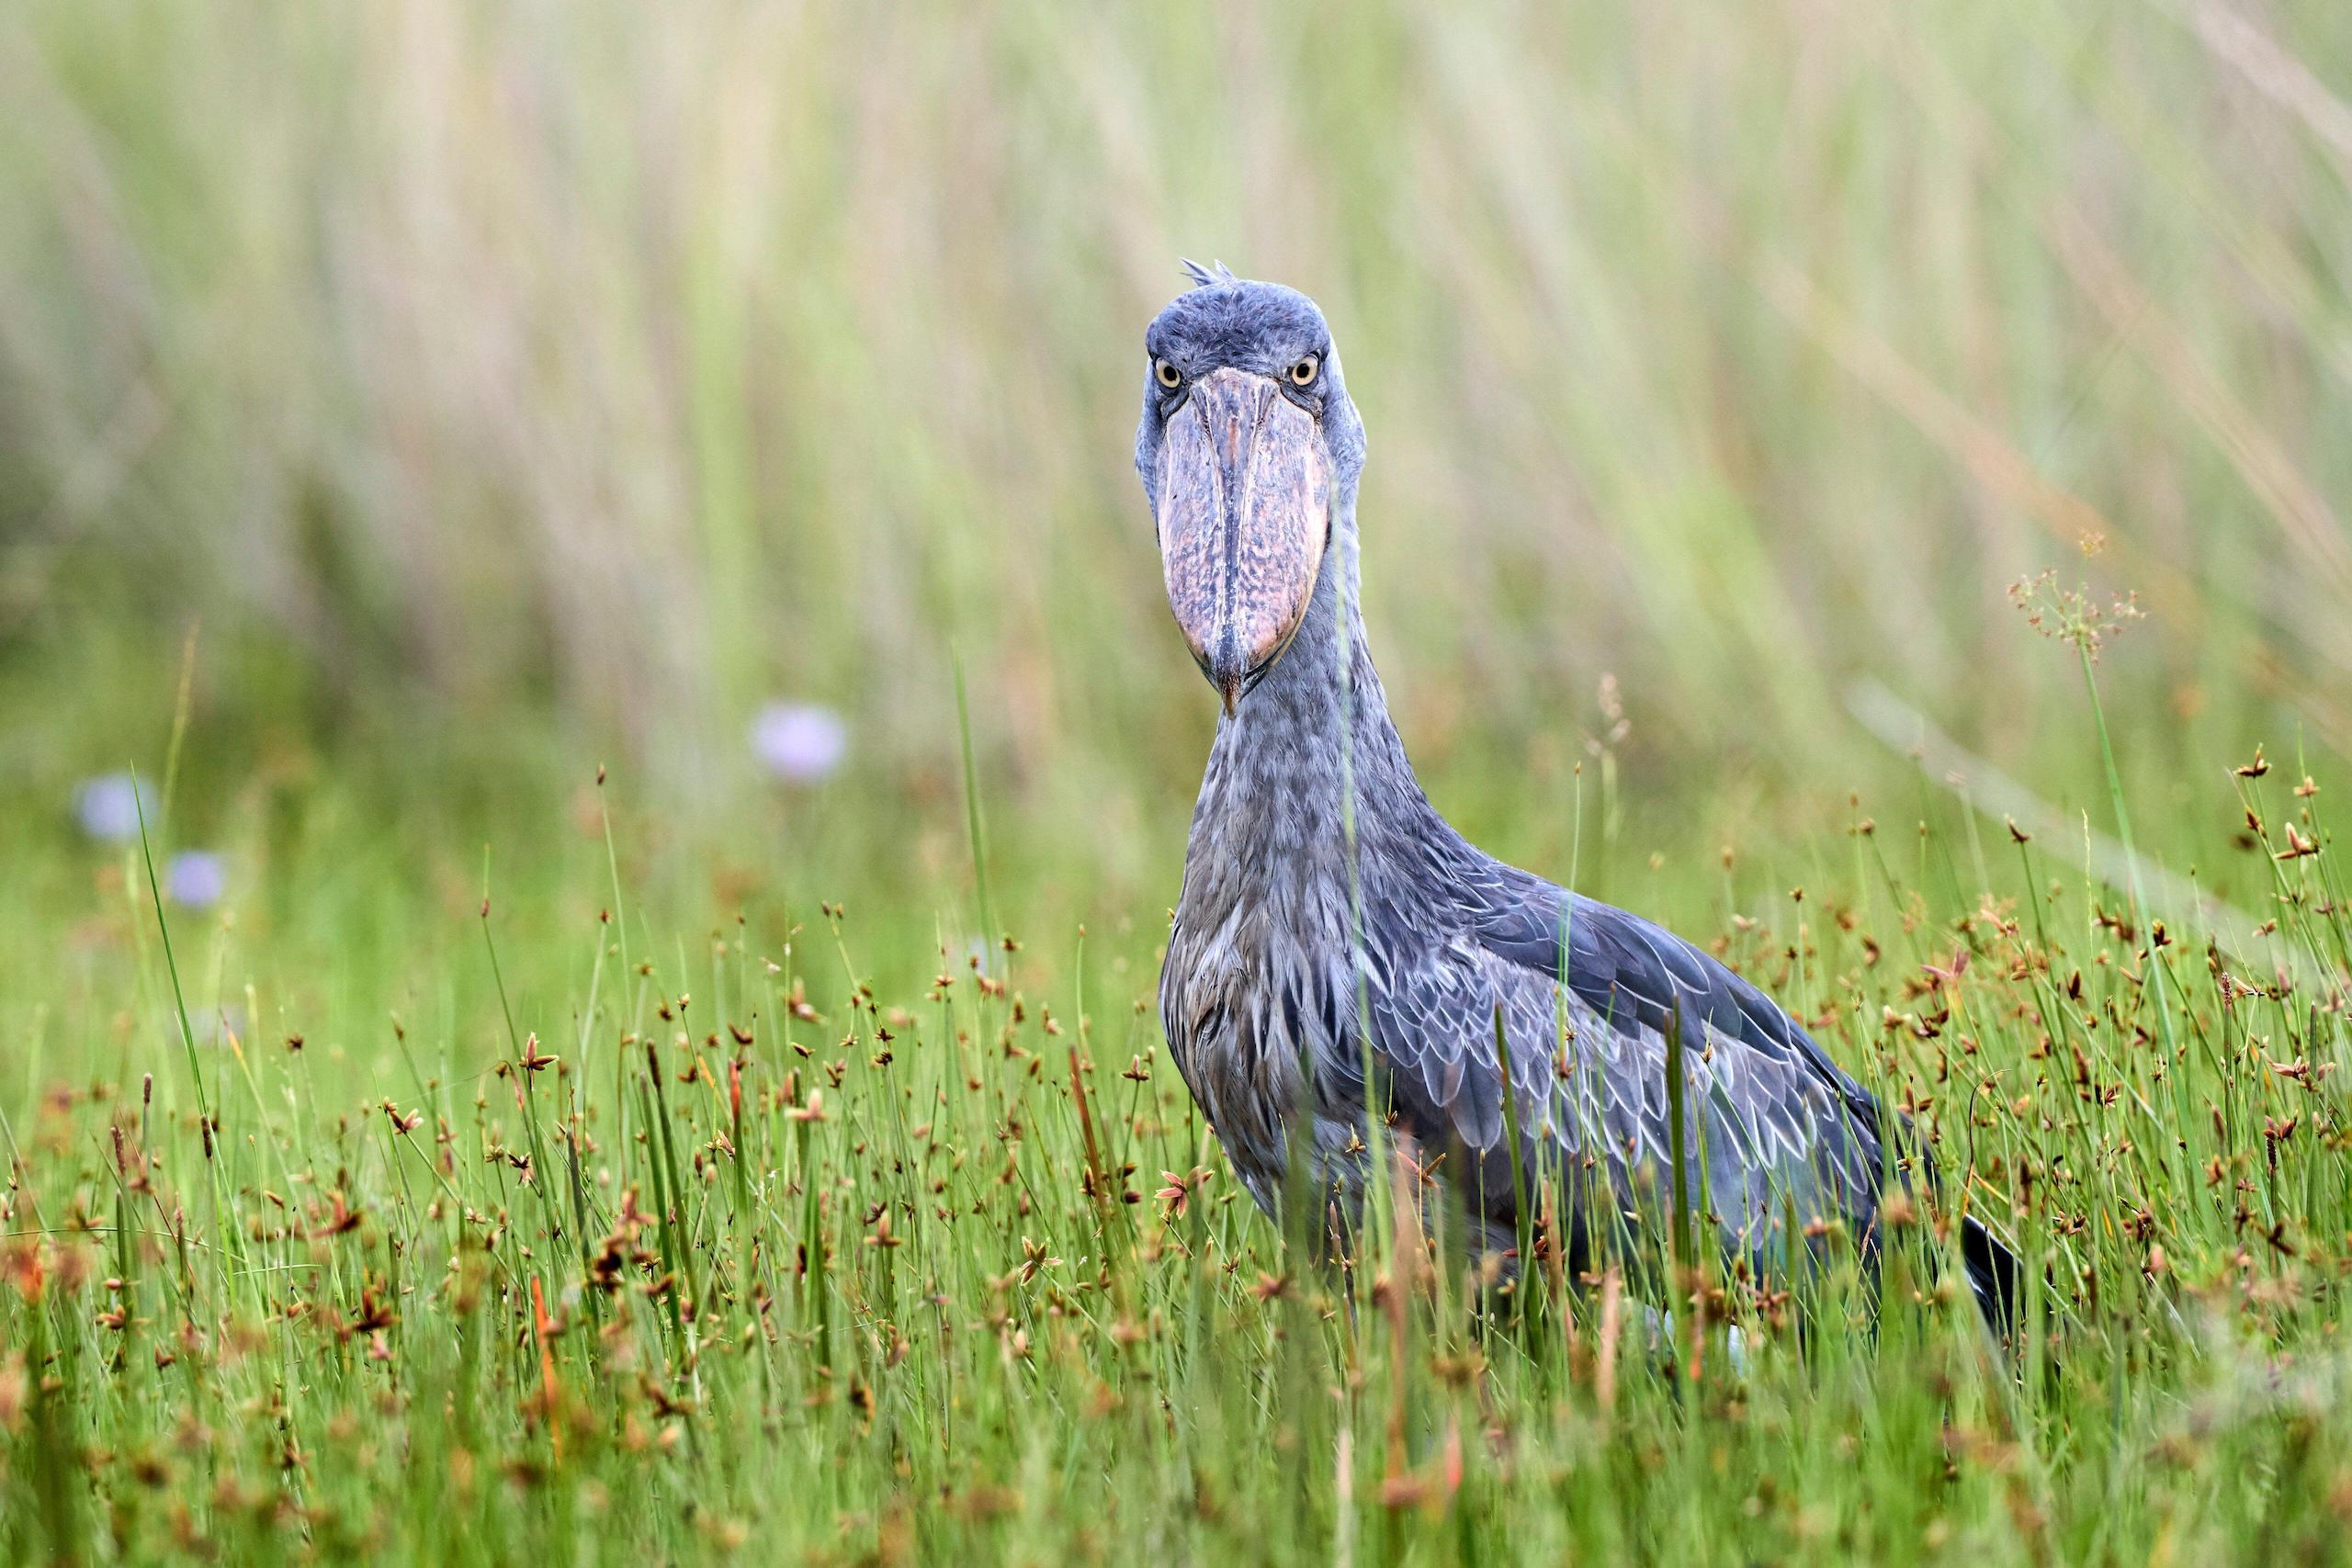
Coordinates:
[800,742]
[108,806]
[195,878]
[2073,615]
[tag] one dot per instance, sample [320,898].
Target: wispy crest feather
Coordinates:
[1206,277]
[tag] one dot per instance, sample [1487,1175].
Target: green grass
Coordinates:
[536,1223]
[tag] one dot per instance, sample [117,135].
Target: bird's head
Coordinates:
[1249,449]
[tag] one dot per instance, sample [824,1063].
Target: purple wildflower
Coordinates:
[800,742]
[195,878]
[108,806]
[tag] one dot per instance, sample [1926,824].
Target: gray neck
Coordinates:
[1269,822]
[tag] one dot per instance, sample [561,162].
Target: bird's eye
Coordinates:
[1303,374]
[1167,375]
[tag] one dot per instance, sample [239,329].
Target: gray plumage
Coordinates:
[1281,964]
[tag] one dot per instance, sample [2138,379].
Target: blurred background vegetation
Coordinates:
[439,399]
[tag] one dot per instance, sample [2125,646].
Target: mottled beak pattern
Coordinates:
[1245,512]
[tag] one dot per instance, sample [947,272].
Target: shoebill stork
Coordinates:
[1336,970]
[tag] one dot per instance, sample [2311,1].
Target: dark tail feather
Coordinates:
[1994,1275]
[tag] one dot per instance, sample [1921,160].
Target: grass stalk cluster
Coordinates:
[772,1259]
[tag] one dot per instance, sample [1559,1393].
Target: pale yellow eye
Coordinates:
[1302,373]
[1167,374]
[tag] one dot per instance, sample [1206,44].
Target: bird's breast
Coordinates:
[1245,999]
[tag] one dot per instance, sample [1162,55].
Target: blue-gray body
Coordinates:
[1311,943]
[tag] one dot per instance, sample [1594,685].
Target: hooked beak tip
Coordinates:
[1228,665]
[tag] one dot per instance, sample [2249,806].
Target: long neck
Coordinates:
[1272,802]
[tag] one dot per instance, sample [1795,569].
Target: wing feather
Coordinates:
[1774,1118]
